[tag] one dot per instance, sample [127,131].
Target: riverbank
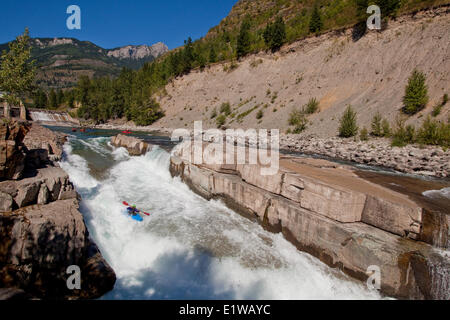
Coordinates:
[42,230]
[431,161]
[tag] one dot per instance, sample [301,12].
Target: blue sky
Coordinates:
[111,24]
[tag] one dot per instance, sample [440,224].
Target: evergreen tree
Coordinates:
[315,24]
[275,34]
[348,127]
[188,55]
[416,93]
[60,97]
[39,99]
[17,71]
[361,8]
[244,41]
[70,99]
[53,103]
[212,55]
[388,7]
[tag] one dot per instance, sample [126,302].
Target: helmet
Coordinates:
[134,207]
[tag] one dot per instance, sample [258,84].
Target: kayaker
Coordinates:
[132,210]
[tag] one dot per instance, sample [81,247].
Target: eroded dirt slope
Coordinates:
[370,74]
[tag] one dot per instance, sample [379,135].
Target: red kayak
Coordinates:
[126,132]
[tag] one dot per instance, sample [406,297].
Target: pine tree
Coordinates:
[212,55]
[244,41]
[53,103]
[17,71]
[315,24]
[41,99]
[388,7]
[188,55]
[348,127]
[416,93]
[60,97]
[275,34]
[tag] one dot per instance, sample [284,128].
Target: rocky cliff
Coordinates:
[139,52]
[344,220]
[12,153]
[42,232]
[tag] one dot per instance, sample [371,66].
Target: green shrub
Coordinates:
[437,108]
[214,113]
[260,114]
[416,93]
[402,135]
[220,121]
[348,127]
[225,108]
[295,117]
[311,107]
[434,133]
[386,127]
[377,128]
[410,133]
[298,119]
[364,134]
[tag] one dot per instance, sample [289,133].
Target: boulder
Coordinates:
[12,154]
[27,193]
[134,146]
[44,144]
[39,242]
[49,184]
[6,202]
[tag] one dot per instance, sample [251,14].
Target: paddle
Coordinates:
[126,204]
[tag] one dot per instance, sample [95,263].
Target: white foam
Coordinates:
[77,169]
[445,192]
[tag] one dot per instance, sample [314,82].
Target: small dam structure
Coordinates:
[42,116]
[50,116]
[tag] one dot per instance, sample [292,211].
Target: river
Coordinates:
[188,248]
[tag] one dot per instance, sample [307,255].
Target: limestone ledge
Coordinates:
[329,212]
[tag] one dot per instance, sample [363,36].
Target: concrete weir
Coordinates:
[347,222]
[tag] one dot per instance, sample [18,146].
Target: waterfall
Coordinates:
[47,116]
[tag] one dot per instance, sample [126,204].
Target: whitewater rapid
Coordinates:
[189,248]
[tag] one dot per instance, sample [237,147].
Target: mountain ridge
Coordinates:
[61,61]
